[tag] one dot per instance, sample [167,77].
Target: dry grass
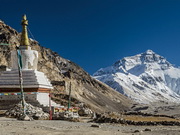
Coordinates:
[147,118]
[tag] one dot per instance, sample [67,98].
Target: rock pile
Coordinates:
[31,111]
[85,112]
[66,116]
[107,119]
[147,114]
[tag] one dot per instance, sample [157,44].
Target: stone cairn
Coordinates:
[32,113]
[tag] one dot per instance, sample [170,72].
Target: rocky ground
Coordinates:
[11,126]
[159,108]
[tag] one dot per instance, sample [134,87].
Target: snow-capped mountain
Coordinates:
[146,77]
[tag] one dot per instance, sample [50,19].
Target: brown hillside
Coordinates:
[61,72]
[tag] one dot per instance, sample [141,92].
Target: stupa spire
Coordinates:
[24,34]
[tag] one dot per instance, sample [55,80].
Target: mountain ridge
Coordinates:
[146,77]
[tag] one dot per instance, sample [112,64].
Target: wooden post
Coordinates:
[50,109]
[21,79]
[69,101]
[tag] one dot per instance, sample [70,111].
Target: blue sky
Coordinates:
[96,33]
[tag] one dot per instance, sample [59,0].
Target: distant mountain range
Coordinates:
[146,77]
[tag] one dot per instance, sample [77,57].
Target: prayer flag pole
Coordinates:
[21,80]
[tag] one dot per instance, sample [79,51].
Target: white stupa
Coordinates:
[36,85]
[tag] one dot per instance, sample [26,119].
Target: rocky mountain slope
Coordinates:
[146,77]
[98,96]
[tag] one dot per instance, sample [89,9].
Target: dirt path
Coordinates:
[13,127]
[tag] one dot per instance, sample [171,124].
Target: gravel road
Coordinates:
[9,126]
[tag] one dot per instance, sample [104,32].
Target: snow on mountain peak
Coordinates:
[145,77]
[149,56]
[149,52]
[148,60]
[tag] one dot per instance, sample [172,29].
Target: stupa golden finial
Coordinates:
[24,34]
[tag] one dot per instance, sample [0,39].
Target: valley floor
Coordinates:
[9,126]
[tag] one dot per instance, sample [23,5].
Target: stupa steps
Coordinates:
[31,78]
[24,84]
[24,79]
[15,81]
[17,75]
[25,73]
